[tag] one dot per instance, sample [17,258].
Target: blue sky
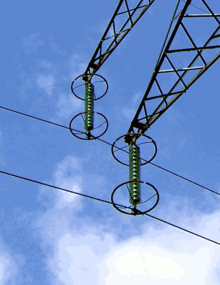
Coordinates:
[51,237]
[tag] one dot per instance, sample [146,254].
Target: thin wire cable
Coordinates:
[103,201]
[94,198]
[160,167]
[180,228]
[195,6]
[55,187]
[169,171]
[33,117]
[184,178]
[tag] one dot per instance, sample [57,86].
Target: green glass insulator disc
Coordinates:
[89,106]
[134,175]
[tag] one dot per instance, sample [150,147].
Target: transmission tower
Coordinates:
[185,63]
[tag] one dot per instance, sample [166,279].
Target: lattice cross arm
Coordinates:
[187,53]
[123,20]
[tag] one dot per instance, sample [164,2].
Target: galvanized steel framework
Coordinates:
[121,23]
[163,96]
[159,96]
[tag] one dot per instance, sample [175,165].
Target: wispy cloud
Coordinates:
[142,261]
[67,176]
[88,254]
[32,43]
[46,82]
[8,267]
[128,109]
[67,104]
[77,66]
[91,256]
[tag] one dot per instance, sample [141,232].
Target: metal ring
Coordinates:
[147,161]
[82,75]
[134,211]
[89,135]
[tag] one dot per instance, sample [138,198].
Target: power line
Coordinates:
[55,187]
[182,177]
[98,199]
[195,6]
[180,228]
[33,117]
[103,201]
[169,171]
[65,127]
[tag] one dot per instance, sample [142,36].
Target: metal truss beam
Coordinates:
[123,20]
[179,67]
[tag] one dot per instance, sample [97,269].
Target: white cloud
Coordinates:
[77,66]
[2,158]
[137,98]
[128,113]
[166,255]
[66,105]
[55,47]
[76,258]
[67,175]
[32,43]
[90,255]
[46,82]
[8,267]
[142,261]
